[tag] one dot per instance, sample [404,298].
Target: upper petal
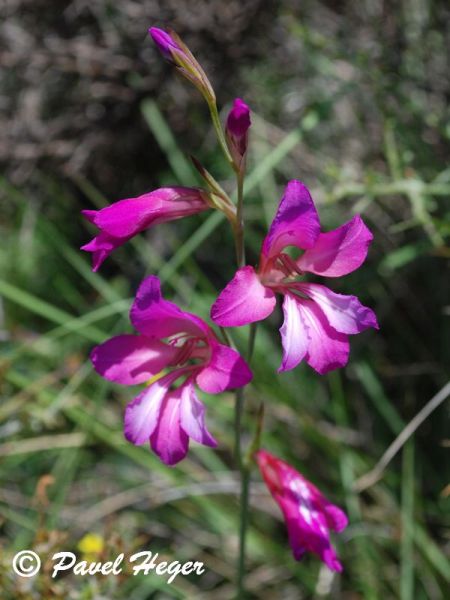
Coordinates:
[225,370]
[346,314]
[152,315]
[127,217]
[131,359]
[142,414]
[192,417]
[168,440]
[296,222]
[328,349]
[338,252]
[294,336]
[244,300]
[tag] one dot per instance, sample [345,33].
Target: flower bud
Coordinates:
[175,51]
[164,42]
[237,126]
[309,516]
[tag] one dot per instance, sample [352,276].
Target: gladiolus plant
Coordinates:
[174,352]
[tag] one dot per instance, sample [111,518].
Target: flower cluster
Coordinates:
[186,348]
[174,351]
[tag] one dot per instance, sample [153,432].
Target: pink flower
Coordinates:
[308,514]
[187,347]
[317,321]
[236,130]
[122,220]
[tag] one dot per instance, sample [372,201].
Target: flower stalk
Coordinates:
[174,352]
[243,464]
[215,118]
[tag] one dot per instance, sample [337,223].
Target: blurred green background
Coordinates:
[349,97]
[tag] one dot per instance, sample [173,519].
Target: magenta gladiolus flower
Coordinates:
[236,130]
[188,349]
[308,514]
[122,220]
[317,321]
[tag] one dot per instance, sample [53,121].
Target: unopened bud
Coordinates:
[175,51]
[164,42]
[237,126]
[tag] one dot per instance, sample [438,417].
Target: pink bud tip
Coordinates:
[164,41]
[238,121]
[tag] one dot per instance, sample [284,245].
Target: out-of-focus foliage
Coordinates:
[349,97]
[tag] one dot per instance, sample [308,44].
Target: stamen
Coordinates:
[192,348]
[289,266]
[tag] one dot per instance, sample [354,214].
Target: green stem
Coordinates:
[243,465]
[240,248]
[244,505]
[238,410]
[219,132]
[245,472]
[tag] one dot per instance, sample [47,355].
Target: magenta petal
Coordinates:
[131,359]
[90,215]
[244,300]
[338,252]
[163,41]
[327,348]
[153,316]
[296,222]
[294,337]
[127,217]
[142,414]
[336,518]
[168,440]
[346,314]
[238,120]
[329,557]
[192,417]
[101,247]
[236,130]
[226,370]
[308,532]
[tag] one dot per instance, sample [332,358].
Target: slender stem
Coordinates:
[244,506]
[240,249]
[243,465]
[251,341]
[238,410]
[219,132]
[245,472]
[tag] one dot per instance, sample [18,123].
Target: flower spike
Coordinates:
[182,347]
